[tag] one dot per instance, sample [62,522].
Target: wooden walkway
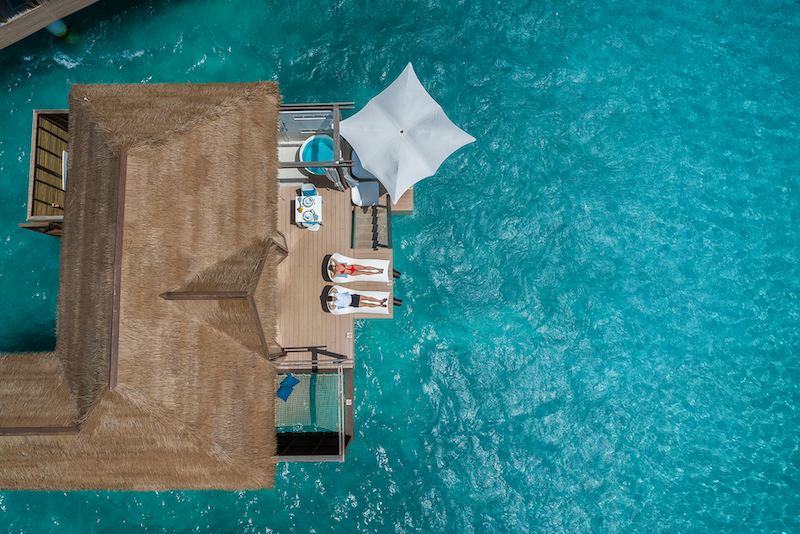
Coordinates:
[302,321]
[37,18]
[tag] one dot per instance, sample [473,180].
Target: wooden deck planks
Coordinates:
[302,321]
[405,206]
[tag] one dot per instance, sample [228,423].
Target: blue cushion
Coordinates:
[287,386]
[290,381]
[283,393]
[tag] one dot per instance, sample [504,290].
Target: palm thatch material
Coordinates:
[86,281]
[239,273]
[33,392]
[126,443]
[193,402]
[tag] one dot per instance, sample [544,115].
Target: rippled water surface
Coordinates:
[600,320]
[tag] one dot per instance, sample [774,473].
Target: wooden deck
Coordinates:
[302,322]
[405,206]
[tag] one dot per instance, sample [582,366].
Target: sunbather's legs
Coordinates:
[365,269]
[337,268]
[369,302]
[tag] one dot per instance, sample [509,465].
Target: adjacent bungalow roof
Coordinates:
[172,188]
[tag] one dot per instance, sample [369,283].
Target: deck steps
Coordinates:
[371,228]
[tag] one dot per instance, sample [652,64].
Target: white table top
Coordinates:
[302,210]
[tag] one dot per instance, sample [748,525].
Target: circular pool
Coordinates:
[317,148]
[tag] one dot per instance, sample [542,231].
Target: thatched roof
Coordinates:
[193,402]
[36,379]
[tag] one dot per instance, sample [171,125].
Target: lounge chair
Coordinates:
[359,171]
[366,194]
[346,278]
[380,295]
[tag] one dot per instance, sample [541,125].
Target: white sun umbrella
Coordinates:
[402,135]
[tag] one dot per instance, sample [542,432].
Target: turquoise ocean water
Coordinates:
[600,328]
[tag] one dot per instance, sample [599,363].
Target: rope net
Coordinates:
[313,405]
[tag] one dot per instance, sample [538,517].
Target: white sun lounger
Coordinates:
[380,295]
[346,278]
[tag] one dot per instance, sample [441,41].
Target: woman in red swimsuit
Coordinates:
[337,268]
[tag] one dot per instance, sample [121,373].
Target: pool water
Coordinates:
[317,148]
[599,330]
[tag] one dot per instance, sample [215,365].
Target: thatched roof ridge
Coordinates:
[83,332]
[137,115]
[240,272]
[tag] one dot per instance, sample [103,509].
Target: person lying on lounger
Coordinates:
[344,300]
[335,268]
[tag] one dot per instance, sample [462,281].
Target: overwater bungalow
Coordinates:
[189,289]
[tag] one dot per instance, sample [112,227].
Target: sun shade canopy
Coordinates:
[402,135]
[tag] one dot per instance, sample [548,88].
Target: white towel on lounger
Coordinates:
[346,278]
[380,295]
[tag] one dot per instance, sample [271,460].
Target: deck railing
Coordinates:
[301,121]
[316,445]
[49,142]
